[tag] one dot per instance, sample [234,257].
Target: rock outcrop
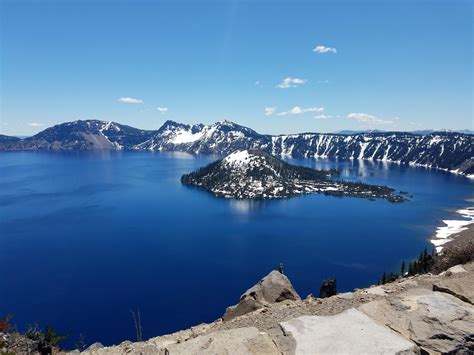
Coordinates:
[436,322]
[461,285]
[351,332]
[275,287]
[247,340]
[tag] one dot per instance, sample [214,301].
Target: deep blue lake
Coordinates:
[86,237]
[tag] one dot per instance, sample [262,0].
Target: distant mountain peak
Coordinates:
[225,122]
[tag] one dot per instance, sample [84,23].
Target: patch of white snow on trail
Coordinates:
[186,136]
[452,227]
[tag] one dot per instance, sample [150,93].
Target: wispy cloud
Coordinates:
[369,119]
[324,49]
[290,82]
[162,109]
[130,100]
[298,110]
[35,124]
[269,111]
[257,83]
[323,117]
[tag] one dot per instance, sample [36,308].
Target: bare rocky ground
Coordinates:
[423,314]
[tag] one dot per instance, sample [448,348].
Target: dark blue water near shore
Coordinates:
[85,237]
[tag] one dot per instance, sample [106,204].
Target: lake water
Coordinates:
[86,237]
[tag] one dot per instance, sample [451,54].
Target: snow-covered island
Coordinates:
[255,174]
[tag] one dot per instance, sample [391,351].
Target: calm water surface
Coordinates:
[85,237]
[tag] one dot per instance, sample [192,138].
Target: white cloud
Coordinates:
[298,110]
[324,49]
[257,83]
[369,119]
[35,124]
[269,111]
[130,100]
[162,109]
[322,117]
[290,83]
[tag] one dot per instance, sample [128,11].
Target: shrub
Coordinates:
[5,323]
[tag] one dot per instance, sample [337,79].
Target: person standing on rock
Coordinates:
[280,268]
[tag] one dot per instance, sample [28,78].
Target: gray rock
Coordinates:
[437,322]
[346,295]
[460,286]
[275,287]
[457,269]
[237,341]
[95,346]
[350,332]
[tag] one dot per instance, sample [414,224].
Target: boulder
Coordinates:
[349,332]
[460,286]
[457,269]
[437,322]
[275,287]
[237,341]
[95,346]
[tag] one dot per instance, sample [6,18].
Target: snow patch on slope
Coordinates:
[447,232]
[238,157]
[186,136]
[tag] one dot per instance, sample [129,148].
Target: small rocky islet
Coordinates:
[255,174]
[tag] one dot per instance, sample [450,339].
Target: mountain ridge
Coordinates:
[449,151]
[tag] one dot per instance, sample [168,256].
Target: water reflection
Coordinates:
[245,207]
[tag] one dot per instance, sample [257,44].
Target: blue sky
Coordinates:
[391,65]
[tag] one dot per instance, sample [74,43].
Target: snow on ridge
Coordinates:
[223,137]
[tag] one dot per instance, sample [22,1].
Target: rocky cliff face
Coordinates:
[446,150]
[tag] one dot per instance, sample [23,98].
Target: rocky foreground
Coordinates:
[424,314]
